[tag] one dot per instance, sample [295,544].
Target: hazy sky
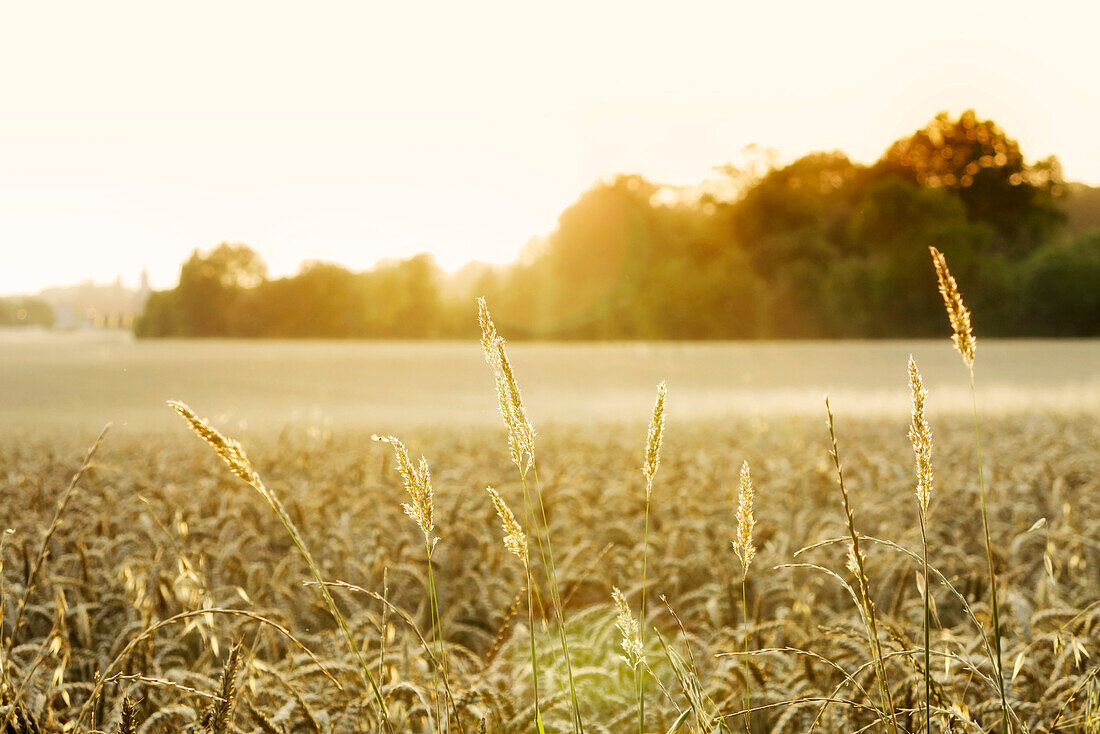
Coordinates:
[131,133]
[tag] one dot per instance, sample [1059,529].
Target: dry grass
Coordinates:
[158,528]
[805,666]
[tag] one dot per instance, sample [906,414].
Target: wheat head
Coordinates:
[920,435]
[743,546]
[957,313]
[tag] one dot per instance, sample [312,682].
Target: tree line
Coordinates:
[26,312]
[822,247]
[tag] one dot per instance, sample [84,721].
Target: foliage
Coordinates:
[25,312]
[821,247]
[1062,288]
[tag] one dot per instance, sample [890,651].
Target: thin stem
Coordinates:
[868,611]
[927,671]
[640,682]
[43,551]
[555,597]
[437,622]
[534,656]
[530,528]
[989,561]
[748,685]
[288,524]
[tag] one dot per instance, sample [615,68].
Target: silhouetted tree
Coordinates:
[976,161]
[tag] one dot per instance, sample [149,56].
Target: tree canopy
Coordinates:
[820,247]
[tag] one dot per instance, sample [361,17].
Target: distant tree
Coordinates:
[1062,288]
[976,161]
[26,312]
[818,247]
[211,288]
[161,316]
[813,192]
[1082,206]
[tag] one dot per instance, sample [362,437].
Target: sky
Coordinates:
[132,133]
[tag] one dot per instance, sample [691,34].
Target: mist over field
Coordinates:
[81,381]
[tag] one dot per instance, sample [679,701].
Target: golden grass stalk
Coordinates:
[957,313]
[521,442]
[650,464]
[654,437]
[515,541]
[856,566]
[745,549]
[43,551]
[743,546]
[107,673]
[233,454]
[628,628]
[418,483]
[35,571]
[521,435]
[963,339]
[221,712]
[127,723]
[920,435]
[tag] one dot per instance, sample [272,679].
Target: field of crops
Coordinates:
[108,603]
[77,382]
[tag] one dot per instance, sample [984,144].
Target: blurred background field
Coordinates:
[81,381]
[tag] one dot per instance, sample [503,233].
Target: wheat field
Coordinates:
[626,579]
[161,528]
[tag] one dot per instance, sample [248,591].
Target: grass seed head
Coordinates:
[957,313]
[515,540]
[628,626]
[521,435]
[128,719]
[654,438]
[920,434]
[230,451]
[418,483]
[222,711]
[743,545]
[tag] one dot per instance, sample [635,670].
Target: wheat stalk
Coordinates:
[127,723]
[221,714]
[957,313]
[234,456]
[418,483]
[963,339]
[920,435]
[521,442]
[628,629]
[515,540]
[745,549]
[650,464]
[855,565]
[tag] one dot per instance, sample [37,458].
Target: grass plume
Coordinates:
[515,542]
[957,314]
[652,461]
[628,630]
[234,456]
[963,338]
[418,483]
[521,443]
[920,435]
[745,549]
[857,568]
